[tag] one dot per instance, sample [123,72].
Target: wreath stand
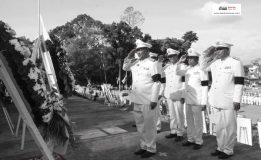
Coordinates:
[11,125]
[7,117]
[21,104]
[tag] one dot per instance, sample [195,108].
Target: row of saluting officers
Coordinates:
[151,81]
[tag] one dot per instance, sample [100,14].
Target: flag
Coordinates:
[40,42]
[41,50]
[45,33]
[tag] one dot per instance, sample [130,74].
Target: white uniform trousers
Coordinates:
[158,123]
[226,130]
[176,112]
[194,123]
[146,125]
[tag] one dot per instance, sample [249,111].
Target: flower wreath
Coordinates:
[47,107]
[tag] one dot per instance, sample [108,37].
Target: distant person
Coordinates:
[145,90]
[225,95]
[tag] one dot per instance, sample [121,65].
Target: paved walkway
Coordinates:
[106,133]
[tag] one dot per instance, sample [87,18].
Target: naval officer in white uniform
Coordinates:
[145,91]
[225,95]
[173,92]
[195,93]
[159,60]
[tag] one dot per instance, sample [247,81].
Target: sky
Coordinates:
[164,18]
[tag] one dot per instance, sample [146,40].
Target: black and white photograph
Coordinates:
[130,79]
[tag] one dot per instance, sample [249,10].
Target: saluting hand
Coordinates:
[182,58]
[236,106]
[131,54]
[153,105]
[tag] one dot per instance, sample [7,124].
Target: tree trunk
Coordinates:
[105,75]
[119,75]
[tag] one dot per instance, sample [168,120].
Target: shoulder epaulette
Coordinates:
[236,58]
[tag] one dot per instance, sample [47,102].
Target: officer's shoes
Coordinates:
[134,125]
[158,131]
[147,154]
[187,143]
[178,138]
[197,146]
[216,153]
[140,152]
[224,156]
[171,136]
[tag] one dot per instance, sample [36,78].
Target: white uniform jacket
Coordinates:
[162,79]
[227,82]
[196,84]
[146,80]
[174,86]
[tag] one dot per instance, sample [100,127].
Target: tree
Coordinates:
[157,46]
[85,60]
[257,62]
[95,49]
[181,44]
[84,42]
[190,36]
[122,39]
[173,43]
[76,28]
[132,18]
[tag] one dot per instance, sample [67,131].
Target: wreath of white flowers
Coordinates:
[47,106]
[53,101]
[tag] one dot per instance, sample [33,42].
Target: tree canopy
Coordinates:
[96,51]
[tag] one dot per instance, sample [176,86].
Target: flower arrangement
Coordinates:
[47,107]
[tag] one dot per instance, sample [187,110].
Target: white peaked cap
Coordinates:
[192,52]
[223,44]
[140,44]
[171,51]
[153,54]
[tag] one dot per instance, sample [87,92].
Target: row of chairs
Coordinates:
[14,130]
[111,97]
[251,98]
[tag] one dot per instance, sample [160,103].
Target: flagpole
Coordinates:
[39,30]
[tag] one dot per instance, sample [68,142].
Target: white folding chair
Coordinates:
[244,131]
